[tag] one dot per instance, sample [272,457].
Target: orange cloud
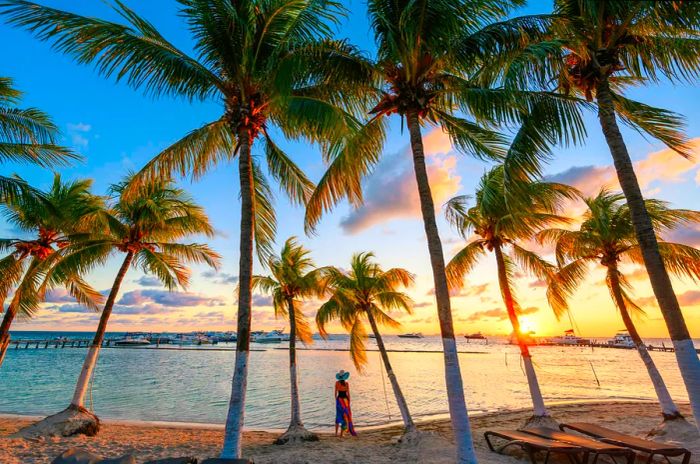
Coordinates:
[391,192]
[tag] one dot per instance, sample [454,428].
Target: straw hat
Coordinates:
[342,375]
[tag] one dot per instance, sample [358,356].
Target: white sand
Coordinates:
[376,446]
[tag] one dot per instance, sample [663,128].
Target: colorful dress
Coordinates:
[343,413]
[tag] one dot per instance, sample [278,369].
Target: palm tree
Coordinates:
[607,237]
[501,220]
[271,64]
[147,227]
[597,49]
[27,135]
[428,52]
[57,218]
[367,291]
[294,278]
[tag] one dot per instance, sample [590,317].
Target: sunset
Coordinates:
[217,215]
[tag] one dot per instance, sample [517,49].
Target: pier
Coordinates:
[662,348]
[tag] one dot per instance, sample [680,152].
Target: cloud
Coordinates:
[495,313]
[528,310]
[166,298]
[391,193]
[58,295]
[77,133]
[222,278]
[149,281]
[539,283]
[262,300]
[423,304]
[660,166]
[687,235]
[468,290]
[142,309]
[69,308]
[689,298]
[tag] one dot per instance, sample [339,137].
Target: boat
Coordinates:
[569,338]
[475,336]
[621,339]
[411,335]
[274,336]
[132,341]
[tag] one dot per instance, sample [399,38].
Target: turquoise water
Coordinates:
[193,385]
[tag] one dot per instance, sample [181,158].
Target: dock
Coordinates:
[662,348]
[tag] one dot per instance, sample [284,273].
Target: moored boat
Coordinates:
[475,336]
[569,338]
[132,341]
[411,335]
[621,340]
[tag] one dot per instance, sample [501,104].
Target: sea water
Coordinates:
[193,385]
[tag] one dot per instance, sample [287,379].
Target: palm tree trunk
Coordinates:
[236,409]
[453,375]
[400,400]
[668,407]
[686,356]
[93,352]
[7,319]
[296,406]
[537,400]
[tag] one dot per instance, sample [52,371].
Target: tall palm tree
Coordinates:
[270,64]
[607,237]
[499,221]
[294,278]
[27,135]
[148,228]
[57,219]
[368,292]
[428,53]
[597,49]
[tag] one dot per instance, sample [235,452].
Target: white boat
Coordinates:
[621,340]
[569,338]
[274,336]
[132,341]
[411,335]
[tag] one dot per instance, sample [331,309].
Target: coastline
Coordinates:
[375,445]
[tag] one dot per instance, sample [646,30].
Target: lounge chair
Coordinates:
[532,444]
[652,448]
[593,448]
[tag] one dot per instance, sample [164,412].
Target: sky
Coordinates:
[118,129]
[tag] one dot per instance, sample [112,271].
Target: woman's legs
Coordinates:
[336,429]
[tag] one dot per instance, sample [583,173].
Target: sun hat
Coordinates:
[342,375]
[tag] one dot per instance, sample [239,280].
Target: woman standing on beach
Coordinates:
[343,414]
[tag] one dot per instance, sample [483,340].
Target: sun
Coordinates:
[527,325]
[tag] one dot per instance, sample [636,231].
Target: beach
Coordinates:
[148,440]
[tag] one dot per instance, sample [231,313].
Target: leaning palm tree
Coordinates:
[27,135]
[148,228]
[597,49]
[607,237]
[270,64]
[57,219]
[499,221]
[294,278]
[428,53]
[368,292]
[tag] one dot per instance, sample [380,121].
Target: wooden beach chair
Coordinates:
[593,448]
[652,448]
[533,444]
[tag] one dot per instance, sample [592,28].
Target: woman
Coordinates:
[343,414]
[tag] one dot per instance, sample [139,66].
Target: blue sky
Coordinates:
[117,129]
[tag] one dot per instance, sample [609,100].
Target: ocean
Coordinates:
[193,385]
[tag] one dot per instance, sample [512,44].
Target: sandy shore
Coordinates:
[376,446]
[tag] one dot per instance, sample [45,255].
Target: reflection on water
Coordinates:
[194,385]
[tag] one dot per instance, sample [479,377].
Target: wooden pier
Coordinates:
[662,348]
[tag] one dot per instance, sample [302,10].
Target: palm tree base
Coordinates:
[74,420]
[675,428]
[541,421]
[296,434]
[412,437]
